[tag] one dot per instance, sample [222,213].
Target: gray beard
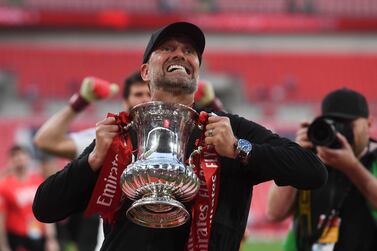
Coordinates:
[176,86]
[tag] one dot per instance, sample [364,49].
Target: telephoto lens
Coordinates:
[322,131]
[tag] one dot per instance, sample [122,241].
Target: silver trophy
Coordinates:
[159,181]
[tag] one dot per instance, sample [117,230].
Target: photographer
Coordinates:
[342,214]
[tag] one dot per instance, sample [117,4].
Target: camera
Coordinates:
[322,131]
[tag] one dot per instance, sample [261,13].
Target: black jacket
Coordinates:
[358,227]
[272,158]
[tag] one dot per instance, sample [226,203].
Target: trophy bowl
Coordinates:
[159,181]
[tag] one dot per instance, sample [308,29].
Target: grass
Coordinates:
[255,245]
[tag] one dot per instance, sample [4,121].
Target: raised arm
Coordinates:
[52,137]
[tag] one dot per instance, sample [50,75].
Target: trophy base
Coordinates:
[158,212]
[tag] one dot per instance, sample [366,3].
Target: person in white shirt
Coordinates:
[54,137]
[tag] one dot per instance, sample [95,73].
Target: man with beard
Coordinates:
[247,153]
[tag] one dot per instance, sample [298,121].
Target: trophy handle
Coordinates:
[201,127]
[195,152]
[128,126]
[124,131]
[201,123]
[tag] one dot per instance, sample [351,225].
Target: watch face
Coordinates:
[244,145]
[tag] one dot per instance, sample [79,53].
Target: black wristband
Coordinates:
[78,103]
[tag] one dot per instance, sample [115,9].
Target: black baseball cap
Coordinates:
[345,103]
[179,28]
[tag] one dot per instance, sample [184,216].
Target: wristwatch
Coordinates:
[243,150]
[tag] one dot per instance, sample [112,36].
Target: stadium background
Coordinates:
[270,61]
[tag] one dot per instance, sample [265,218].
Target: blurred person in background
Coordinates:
[247,154]
[341,215]
[205,97]
[53,138]
[19,230]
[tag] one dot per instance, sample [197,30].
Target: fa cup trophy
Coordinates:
[159,181]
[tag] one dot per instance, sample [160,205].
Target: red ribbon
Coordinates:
[207,168]
[205,203]
[106,196]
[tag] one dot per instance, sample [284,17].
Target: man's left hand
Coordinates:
[341,158]
[220,135]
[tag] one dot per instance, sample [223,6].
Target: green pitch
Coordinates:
[254,245]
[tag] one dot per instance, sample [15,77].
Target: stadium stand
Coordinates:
[266,76]
[280,86]
[323,7]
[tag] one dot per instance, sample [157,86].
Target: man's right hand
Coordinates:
[302,136]
[106,130]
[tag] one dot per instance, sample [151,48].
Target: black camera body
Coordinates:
[322,131]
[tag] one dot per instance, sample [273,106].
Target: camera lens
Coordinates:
[322,132]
